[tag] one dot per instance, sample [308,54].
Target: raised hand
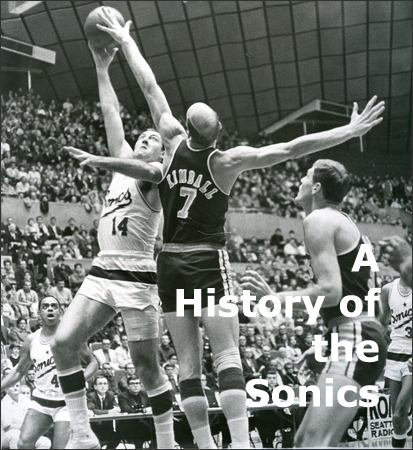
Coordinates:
[254,282]
[370,117]
[85,158]
[112,26]
[102,57]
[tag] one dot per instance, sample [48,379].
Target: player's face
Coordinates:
[148,147]
[50,311]
[306,187]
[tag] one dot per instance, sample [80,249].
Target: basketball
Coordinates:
[98,38]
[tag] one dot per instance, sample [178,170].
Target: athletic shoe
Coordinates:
[83,441]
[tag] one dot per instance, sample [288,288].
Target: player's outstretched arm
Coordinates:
[132,168]
[21,368]
[245,158]
[169,127]
[319,240]
[118,147]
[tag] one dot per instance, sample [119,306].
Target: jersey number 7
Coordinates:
[190,194]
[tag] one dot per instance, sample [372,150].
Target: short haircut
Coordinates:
[49,296]
[334,179]
[98,377]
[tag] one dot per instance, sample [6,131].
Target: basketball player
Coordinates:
[122,278]
[48,405]
[396,301]
[194,185]
[333,241]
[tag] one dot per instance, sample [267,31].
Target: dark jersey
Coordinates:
[194,207]
[353,283]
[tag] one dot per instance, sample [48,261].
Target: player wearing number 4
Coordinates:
[194,184]
[48,404]
[122,278]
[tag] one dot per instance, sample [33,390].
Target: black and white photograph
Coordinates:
[206,224]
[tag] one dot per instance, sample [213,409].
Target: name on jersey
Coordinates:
[185,176]
[123,199]
[120,201]
[43,364]
[401,315]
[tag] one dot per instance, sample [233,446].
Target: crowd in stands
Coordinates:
[34,166]
[270,348]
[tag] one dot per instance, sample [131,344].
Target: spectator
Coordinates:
[77,277]
[134,400]
[172,377]
[30,379]
[55,232]
[249,365]
[71,228]
[289,376]
[61,271]
[106,354]
[14,356]
[130,371]
[123,353]
[20,333]
[165,349]
[61,293]
[14,407]
[118,327]
[43,229]
[264,360]
[103,401]
[27,300]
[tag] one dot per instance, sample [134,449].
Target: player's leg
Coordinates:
[61,431]
[142,328]
[401,406]
[83,318]
[35,425]
[188,345]
[324,426]
[223,334]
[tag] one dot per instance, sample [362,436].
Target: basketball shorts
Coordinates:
[134,294]
[356,331]
[193,270]
[58,414]
[397,366]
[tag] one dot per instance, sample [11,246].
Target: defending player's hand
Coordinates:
[254,282]
[102,57]
[112,26]
[361,123]
[85,158]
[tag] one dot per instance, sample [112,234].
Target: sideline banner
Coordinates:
[379,419]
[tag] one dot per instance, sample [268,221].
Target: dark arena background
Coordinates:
[273,71]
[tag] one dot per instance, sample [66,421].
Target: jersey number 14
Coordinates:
[122,226]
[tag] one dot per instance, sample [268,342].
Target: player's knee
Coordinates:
[43,442]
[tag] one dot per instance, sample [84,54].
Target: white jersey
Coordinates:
[47,382]
[128,228]
[400,305]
